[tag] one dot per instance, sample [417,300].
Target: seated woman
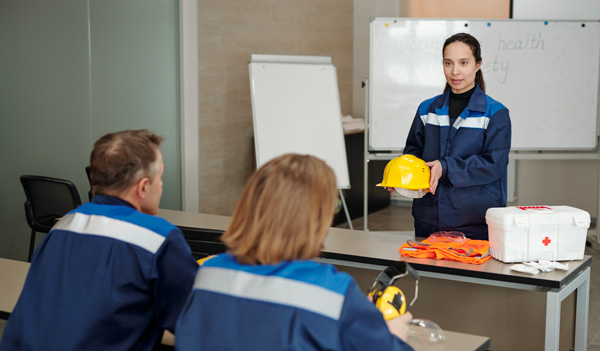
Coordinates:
[265,293]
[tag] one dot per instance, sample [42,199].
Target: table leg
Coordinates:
[581,312]
[554,299]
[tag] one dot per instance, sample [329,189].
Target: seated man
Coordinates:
[109,275]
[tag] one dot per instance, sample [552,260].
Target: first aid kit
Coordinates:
[532,233]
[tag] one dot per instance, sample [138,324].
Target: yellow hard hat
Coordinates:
[406,172]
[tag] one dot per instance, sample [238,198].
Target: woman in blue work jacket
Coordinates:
[267,292]
[464,137]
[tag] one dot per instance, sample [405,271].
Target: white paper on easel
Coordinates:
[296,109]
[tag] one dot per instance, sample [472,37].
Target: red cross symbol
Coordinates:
[546,241]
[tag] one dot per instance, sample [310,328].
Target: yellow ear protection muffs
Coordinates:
[389,299]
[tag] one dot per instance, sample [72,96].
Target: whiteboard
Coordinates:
[296,109]
[544,72]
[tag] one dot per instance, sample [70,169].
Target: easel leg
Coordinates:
[345,209]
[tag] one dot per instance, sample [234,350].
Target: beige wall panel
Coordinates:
[229,33]
[456,8]
[571,183]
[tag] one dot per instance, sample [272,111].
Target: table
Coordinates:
[377,250]
[12,279]
[454,341]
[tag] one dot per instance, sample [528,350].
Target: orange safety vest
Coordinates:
[471,251]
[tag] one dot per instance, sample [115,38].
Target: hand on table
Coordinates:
[399,325]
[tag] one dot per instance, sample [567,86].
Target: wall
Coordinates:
[497,9]
[229,32]
[72,71]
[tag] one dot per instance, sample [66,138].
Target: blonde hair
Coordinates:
[284,211]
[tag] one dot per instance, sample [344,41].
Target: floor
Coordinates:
[399,218]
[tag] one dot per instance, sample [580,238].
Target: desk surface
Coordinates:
[381,248]
[195,220]
[12,279]
[454,342]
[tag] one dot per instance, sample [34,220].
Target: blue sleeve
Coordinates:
[489,164]
[444,168]
[174,273]
[363,326]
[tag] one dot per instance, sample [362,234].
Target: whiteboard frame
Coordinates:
[341,168]
[190,109]
[592,141]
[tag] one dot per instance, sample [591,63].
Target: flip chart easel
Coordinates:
[296,109]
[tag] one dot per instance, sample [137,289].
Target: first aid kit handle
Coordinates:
[581,221]
[521,221]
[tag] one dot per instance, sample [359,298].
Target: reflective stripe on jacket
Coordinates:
[471,251]
[474,156]
[106,277]
[293,305]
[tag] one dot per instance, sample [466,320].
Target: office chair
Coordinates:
[87,171]
[47,199]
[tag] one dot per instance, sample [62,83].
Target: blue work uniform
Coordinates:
[298,305]
[106,277]
[473,153]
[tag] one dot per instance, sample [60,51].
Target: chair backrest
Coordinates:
[47,199]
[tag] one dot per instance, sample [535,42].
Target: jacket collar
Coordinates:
[478,101]
[109,200]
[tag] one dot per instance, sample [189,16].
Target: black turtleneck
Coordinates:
[458,103]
